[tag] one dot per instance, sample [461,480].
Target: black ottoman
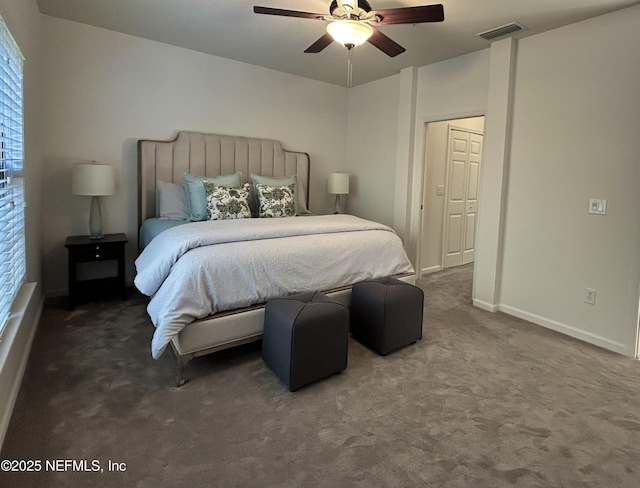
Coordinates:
[306,338]
[386,314]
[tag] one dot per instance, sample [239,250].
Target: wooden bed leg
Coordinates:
[181,377]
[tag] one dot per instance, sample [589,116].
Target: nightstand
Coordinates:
[83,249]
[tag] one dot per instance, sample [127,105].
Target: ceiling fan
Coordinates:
[351,23]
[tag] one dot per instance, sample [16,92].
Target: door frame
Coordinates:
[444,232]
[417,184]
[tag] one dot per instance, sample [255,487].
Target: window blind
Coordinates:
[12,244]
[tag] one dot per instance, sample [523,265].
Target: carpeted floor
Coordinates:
[484,400]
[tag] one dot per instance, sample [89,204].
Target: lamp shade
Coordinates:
[338,183]
[349,32]
[92,179]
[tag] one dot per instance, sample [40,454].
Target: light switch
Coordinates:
[597,206]
[439,190]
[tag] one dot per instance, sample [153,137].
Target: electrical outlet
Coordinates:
[590,296]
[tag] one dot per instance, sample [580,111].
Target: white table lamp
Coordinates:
[338,184]
[93,180]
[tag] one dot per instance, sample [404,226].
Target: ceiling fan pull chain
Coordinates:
[349,67]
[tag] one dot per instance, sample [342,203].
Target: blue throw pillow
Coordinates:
[197,196]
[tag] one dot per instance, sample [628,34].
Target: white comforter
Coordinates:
[195,270]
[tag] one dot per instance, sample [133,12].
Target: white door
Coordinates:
[461,209]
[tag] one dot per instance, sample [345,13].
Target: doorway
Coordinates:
[451,168]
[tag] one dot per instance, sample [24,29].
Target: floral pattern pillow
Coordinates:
[227,203]
[276,201]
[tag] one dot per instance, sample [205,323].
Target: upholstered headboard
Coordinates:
[211,155]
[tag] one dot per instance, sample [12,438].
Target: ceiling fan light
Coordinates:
[350,32]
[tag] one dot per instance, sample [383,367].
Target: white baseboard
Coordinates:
[489,307]
[15,347]
[557,326]
[430,269]
[567,330]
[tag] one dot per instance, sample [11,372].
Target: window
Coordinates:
[12,249]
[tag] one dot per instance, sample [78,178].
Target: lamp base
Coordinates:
[339,208]
[95,219]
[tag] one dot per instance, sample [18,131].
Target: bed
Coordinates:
[186,267]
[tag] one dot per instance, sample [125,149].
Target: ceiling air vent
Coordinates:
[504,30]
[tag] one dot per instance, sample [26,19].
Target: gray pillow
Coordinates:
[172,201]
[196,195]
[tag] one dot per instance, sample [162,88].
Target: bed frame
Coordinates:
[212,155]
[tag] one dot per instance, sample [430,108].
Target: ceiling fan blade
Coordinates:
[410,15]
[320,44]
[385,44]
[286,13]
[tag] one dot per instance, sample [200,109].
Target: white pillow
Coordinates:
[172,201]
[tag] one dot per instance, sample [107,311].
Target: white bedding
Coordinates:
[195,270]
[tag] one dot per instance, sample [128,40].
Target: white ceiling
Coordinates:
[231,30]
